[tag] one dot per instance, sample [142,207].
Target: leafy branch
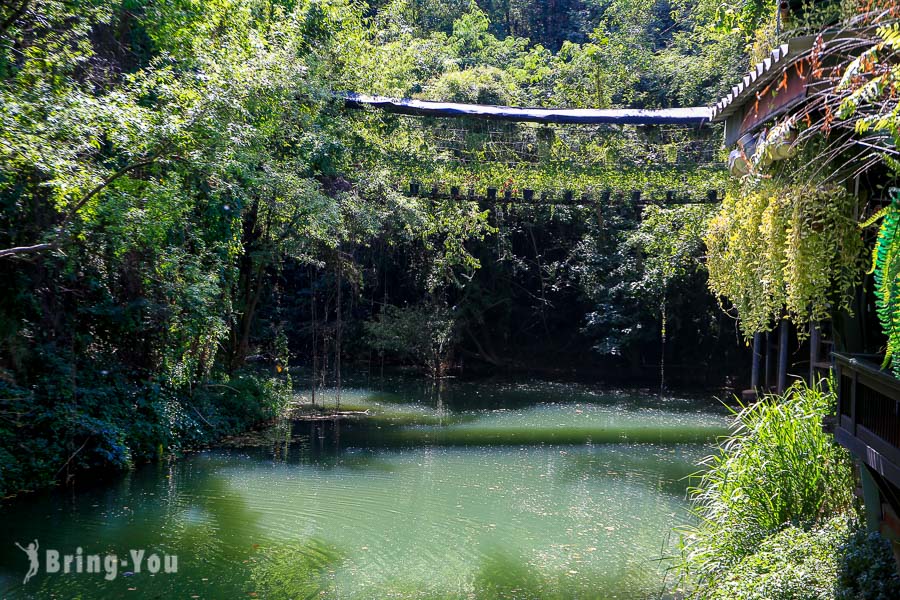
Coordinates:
[72,212]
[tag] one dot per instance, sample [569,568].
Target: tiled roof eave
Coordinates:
[760,76]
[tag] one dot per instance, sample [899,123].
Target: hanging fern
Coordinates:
[886,266]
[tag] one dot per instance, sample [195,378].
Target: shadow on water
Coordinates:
[460,395]
[296,571]
[325,438]
[666,469]
[149,510]
[504,575]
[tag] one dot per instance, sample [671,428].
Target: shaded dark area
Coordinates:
[558,292]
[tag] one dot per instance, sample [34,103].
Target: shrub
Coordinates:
[867,569]
[834,560]
[423,333]
[777,467]
[793,564]
[109,422]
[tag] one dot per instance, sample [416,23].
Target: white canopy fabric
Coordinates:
[699,115]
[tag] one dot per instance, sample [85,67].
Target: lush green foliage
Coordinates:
[422,333]
[652,284]
[180,196]
[866,95]
[784,243]
[158,163]
[868,569]
[687,183]
[778,250]
[778,467]
[866,102]
[833,560]
[792,564]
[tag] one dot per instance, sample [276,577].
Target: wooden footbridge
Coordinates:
[692,117]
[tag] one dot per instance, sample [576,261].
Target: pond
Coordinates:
[475,490]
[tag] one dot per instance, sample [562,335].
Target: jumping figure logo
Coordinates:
[32,552]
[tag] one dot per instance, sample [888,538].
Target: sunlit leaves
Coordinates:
[777,251]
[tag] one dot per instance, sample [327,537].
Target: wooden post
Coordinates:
[757,355]
[871,499]
[813,351]
[636,205]
[782,356]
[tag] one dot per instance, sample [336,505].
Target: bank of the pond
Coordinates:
[370,506]
[832,560]
[114,424]
[775,516]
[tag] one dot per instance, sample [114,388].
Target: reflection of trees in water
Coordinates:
[182,508]
[296,571]
[506,575]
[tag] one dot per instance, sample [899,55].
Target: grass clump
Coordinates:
[776,468]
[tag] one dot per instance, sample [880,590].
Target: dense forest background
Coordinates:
[188,213]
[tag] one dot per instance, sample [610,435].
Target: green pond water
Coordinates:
[476,490]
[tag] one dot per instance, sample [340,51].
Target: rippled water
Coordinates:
[488,491]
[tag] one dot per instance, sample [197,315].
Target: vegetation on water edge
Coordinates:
[834,560]
[777,467]
[114,424]
[774,511]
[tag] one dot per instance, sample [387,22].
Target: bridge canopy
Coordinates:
[695,116]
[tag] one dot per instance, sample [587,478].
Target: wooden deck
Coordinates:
[868,414]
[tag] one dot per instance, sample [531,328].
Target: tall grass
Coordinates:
[777,467]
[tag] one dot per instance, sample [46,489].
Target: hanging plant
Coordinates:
[784,250]
[886,266]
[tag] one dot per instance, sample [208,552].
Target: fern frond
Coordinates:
[892,163]
[890,34]
[886,266]
[876,217]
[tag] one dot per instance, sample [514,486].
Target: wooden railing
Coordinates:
[868,413]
